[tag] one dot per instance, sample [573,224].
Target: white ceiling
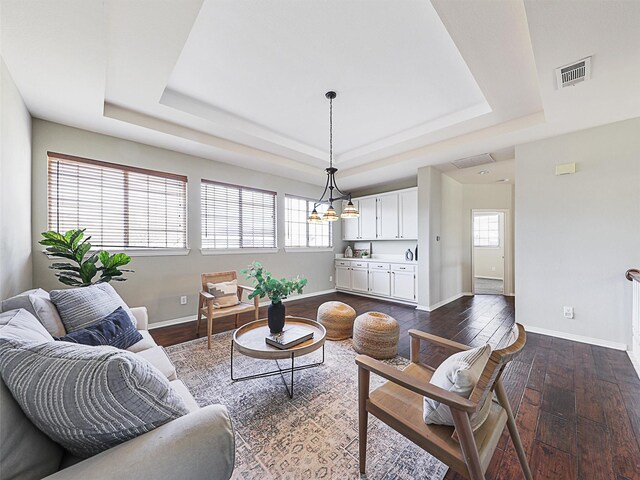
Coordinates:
[243,82]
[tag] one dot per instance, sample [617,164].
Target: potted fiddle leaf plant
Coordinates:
[277,290]
[82,268]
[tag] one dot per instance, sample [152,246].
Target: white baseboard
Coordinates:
[577,338]
[431,308]
[192,318]
[634,355]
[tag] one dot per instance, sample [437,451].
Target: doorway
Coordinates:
[489,251]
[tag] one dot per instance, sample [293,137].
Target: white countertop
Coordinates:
[379,258]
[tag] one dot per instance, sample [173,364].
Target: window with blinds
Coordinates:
[237,217]
[299,232]
[121,207]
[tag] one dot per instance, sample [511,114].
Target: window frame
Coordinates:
[237,250]
[307,248]
[487,214]
[129,250]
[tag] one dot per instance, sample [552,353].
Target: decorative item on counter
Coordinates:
[408,255]
[348,253]
[415,257]
[360,248]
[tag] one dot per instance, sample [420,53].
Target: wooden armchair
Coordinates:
[207,309]
[399,404]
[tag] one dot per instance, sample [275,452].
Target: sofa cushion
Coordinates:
[25,452]
[459,374]
[81,307]
[21,325]
[87,399]
[182,390]
[38,303]
[116,330]
[157,357]
[144,344]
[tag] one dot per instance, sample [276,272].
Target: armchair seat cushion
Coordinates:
[223,312]
[157,357]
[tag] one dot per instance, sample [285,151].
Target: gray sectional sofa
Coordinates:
[195,446]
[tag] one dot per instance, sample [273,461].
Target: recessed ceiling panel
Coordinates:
[264,67]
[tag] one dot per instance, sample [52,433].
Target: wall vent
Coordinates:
[473,161]
[574,73]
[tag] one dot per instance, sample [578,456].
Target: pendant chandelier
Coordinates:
[349,211]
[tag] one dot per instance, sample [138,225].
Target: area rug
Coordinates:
[313,435]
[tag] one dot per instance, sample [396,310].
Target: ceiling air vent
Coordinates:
[473,161]
[577,72]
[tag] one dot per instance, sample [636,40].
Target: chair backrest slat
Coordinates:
[516,339]
[217,277]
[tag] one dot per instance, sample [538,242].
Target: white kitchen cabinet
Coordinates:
[368,218]
[403,282]
[343,277]
[380,282]
[388,221]
[359,279]
[408,214]
[351,226]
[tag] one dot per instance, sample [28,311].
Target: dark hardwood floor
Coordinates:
[578,405]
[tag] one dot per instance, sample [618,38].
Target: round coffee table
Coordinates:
[249,340]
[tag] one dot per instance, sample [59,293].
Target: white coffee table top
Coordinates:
[249,339]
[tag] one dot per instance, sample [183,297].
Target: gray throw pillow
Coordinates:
[87,399]
[38,303]
[84,306]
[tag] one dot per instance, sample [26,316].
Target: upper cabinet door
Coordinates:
[368,222]
[351,226]
[409,214]
[388,217]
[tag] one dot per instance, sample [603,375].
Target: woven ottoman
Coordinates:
[376,334]
[337,318]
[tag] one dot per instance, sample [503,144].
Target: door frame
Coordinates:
[508,249]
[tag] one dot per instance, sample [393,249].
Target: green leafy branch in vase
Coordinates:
[73,246]
[268,286]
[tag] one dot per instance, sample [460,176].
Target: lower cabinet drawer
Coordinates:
[399,267]
[378,266]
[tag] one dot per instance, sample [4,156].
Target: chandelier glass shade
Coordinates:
[350,211]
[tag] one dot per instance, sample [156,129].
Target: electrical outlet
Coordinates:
[568,312]
[331,278]
[183,300]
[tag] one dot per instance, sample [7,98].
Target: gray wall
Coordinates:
[578,234]
[15,189]
[159,281]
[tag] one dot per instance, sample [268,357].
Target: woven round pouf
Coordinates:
[376,334]
[337,318]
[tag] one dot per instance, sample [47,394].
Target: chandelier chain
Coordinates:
[331,132]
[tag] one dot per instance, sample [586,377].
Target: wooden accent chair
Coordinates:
[206,302]
[399,404]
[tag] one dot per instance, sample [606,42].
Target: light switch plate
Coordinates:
[568,312]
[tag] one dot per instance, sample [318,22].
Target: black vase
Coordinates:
[275,317]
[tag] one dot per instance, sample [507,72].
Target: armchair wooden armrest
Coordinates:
[443,342]
[207,297]
[425,389]
[243,288]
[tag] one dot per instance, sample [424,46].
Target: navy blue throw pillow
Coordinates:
[116,330]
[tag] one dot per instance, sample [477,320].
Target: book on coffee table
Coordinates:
[289,337]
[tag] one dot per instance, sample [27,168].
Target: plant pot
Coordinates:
[275,317]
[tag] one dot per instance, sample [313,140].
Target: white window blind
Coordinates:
[120,206]
[299,232]
[486,230]
[237,217]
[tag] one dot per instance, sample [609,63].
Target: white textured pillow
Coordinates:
[458,374]
[225,293]
[38,303]
[22,326]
